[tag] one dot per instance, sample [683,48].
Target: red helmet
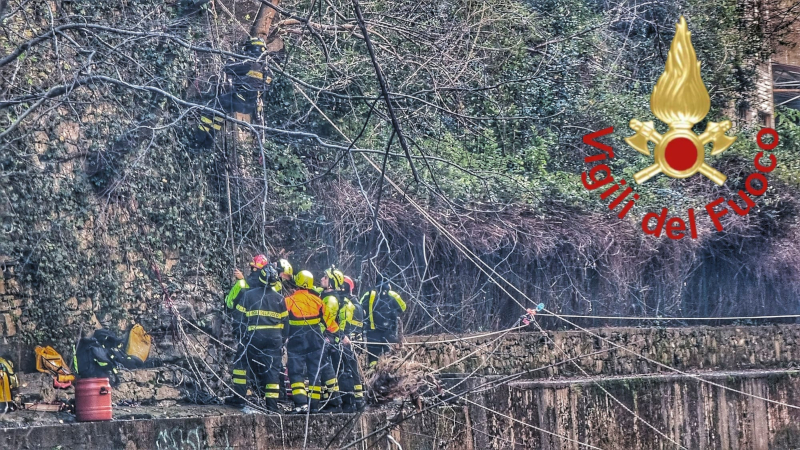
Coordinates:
[259,262]
[349,281]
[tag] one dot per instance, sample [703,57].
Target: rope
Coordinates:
[575,316]
[447,341]
[478,262]
[624,406]
[480,265]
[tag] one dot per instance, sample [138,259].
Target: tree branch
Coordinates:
[385,90]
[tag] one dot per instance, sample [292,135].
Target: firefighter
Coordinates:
[382,307]
[285,275]
[284,285]
[242,283]
[306,343]
[330,292]
[206,129]
[248,79]
[351,321]
[264,320]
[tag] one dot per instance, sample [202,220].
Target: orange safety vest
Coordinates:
[304,307]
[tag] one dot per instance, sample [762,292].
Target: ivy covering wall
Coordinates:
[111,215]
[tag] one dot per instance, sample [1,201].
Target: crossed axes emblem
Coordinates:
[673,151]
[681,100]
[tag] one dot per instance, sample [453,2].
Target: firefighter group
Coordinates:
[276,309]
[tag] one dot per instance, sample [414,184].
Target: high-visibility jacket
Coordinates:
[382,309]
[262,308]
[237,291]
[330,307]
[350,317]
[307,308]
[330,310]
[248,75]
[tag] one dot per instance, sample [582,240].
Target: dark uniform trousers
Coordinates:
[345,367]
[305,349]
[259,354]
[377,343]
[305,356]
[329,375]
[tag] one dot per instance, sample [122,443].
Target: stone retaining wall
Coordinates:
[537,356]
[693,414]
[555,407]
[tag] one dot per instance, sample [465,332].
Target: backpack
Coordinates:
[8,381]
[139,343]
[48,360]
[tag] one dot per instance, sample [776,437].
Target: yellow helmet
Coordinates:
[304,279]
[285,267]
[336,276]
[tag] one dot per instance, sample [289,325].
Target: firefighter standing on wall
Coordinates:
[382,307]
[264,322]
[350,319]
[306,342]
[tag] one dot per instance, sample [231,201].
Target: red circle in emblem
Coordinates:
[681,153]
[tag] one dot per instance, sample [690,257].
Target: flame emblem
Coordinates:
[680,99]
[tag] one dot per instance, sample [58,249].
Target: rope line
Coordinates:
[575,316]
[619,402]
[479,263]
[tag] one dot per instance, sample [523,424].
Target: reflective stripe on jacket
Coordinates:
[304,306]
[382,310]
[264,309]
[351,317]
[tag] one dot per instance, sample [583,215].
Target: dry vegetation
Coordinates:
[474,109]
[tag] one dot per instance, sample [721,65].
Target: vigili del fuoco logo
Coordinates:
[680,100]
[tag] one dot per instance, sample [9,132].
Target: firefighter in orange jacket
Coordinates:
[306,345]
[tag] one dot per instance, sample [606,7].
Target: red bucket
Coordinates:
[92,399]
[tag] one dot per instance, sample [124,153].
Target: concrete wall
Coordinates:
[519,415]
[693,414]
[535,356]
[526,411]
[434,430]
